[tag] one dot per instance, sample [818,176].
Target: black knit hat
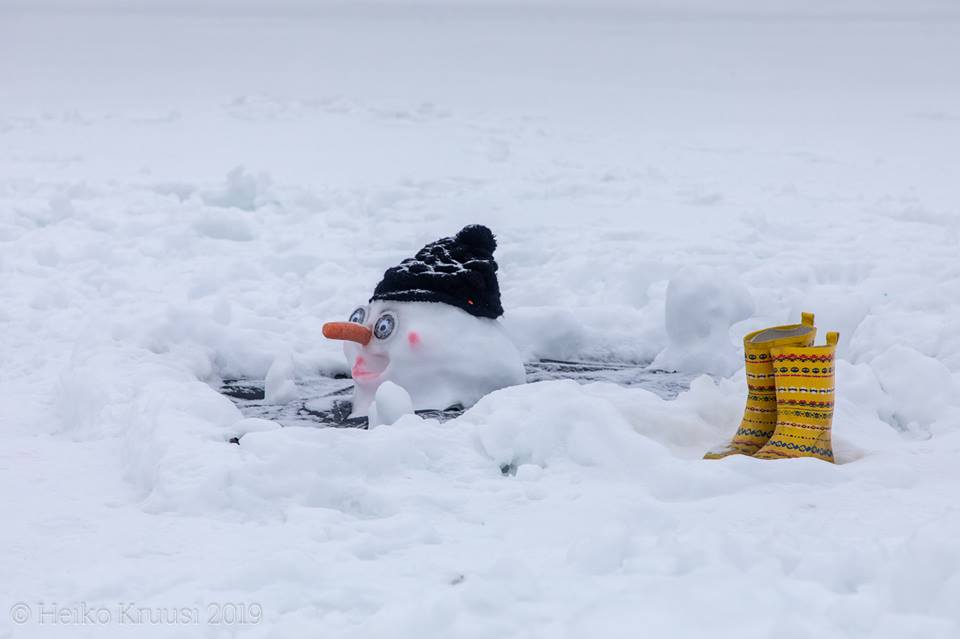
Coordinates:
[458,270]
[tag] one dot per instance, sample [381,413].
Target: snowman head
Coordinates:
[431,328]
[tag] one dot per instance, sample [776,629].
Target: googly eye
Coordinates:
[358,315]
[384,326]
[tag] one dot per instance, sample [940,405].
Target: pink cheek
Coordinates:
[359,361]
[414,338]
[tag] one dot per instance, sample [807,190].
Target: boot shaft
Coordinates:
[758,360]
[805,390]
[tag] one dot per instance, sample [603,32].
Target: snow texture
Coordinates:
[187,194]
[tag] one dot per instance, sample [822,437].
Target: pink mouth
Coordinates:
[367,368]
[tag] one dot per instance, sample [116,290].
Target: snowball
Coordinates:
[701,306]
[390,404]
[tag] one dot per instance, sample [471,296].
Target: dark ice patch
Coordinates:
[328,398]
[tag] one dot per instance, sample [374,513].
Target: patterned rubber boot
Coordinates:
[805,391]
[760,415]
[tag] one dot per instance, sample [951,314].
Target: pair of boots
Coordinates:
[790,389]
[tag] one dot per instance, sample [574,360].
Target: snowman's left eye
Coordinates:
[384,326]
[358,316]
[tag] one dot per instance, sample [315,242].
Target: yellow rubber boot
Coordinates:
[805,392]
[760,415]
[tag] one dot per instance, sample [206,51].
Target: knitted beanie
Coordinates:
[458,270]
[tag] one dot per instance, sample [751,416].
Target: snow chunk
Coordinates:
[279,385]
[701,306]
[390,404]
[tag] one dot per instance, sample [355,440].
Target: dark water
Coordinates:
[329,397]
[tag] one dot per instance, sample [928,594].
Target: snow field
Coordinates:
[171,216]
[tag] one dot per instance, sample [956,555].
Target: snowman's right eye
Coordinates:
[358,316]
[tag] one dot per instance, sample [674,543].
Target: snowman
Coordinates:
[431,328]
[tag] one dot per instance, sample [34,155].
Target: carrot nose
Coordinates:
[350,331]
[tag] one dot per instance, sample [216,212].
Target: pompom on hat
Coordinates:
[458,270]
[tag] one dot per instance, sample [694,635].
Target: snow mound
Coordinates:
[701,306]
[556,423]
[920,390]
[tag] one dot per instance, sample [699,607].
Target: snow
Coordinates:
[700,307]
[280,384]
[391,402]
[187,196]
